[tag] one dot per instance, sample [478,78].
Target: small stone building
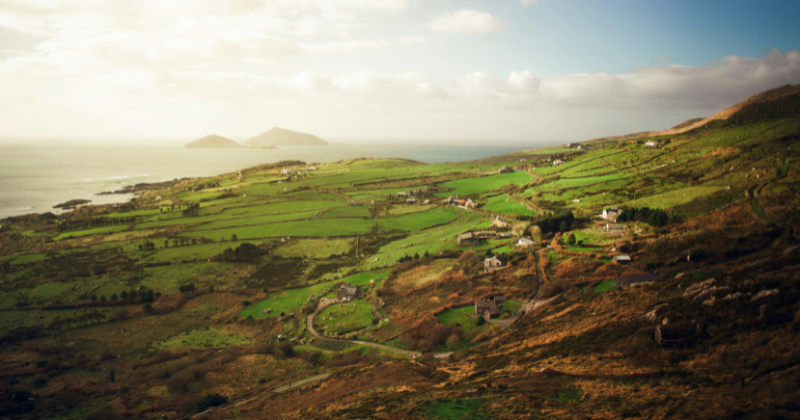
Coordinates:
[487,308]
[347,293]
[495,262]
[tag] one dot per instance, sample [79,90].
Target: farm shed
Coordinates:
[611,214]
[468,238]
[487,308]
[637,280]
[347,293]
[525,242]
[495,261]
[622,259]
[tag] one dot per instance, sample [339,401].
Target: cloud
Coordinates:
[409,40]
[466,21]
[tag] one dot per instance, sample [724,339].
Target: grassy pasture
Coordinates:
[322,227]
[397,210]
[344,317]
[87,232]
[203,338]
[478,185]
[251,211]
[606,286]
[674,198]
[292,299]
[504,205]
[244,220]
[314,248]
[348,211]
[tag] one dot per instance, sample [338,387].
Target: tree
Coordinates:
[114,297]
[479,321]
[93,298]
[564,226]
[571,239]
[103,298]
[453,341]
[124,295]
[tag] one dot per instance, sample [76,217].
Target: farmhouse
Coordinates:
[615,228]
[499,222]
[347,293]
[558,162]
[468,238]
[487,308]
[286,171]
[471,204]
[401,194]
[505,170]
[526,242]
[627,282]
[495,262]
[622,259]
[411,201]
[651,144]
[611,214]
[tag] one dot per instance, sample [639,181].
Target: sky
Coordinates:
[383,70]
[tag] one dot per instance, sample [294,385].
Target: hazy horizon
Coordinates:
[565,70]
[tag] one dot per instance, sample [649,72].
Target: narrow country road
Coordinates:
[310,325]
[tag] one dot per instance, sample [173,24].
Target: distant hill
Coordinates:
[213,142]
[282,137]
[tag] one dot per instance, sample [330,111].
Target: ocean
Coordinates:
[36,176]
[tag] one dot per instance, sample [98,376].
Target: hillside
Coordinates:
[282,137]
[346,290]
[213,142]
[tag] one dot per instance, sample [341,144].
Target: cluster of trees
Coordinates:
[92,223]
[428,339]
[143,295]
[192,210]
[560,222]
[187,288]
[653,217]
[405,258]
[244,252]
[147,246]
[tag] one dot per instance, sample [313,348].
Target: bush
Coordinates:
[453,341]
[39,381]
[479,320]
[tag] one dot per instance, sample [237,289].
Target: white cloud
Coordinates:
[409,40]
[466,21]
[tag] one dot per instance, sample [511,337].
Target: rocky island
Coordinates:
[282,137]
[213,142]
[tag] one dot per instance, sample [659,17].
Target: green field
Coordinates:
[344,317]
[483,184]
[290,300]
[203,338]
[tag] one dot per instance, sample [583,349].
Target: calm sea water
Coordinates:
[35,177]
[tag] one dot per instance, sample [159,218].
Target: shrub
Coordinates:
[39,381]
[453,341]
[479,320]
